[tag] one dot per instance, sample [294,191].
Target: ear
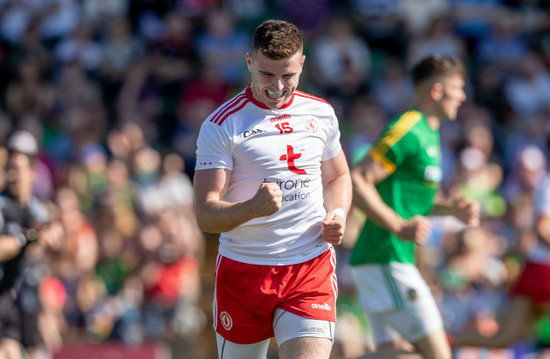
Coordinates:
[249,61]
[436,91]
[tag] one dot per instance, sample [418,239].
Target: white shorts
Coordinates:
[397,301]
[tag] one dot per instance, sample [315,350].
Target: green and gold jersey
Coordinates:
[410,152]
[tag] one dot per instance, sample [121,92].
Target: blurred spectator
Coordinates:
[504,46]
[31,48]
[366,119]
[418,15]
[23,241]
[527,170]
[528,91]
[222,44]
[101,13]
[473,19]
[341,61]
[172,55]
[30,95]
[439,39]
[121,50]
[249,13]
[308,15]
[80,47]
[381,24]
[206,84]
[82,245]
[392,88]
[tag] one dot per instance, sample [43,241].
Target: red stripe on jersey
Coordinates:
[220,113]
[232,112]
[306,95]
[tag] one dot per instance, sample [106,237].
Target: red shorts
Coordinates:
[533,282]
[246,295]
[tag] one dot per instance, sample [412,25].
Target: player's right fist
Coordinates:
[268,199]
[417,229]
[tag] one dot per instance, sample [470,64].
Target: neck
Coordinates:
[432,116]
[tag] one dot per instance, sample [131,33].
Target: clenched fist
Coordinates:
[416,229]
[267,200]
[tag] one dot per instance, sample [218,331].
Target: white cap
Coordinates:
[24,142]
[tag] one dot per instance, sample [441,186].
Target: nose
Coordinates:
[278,84]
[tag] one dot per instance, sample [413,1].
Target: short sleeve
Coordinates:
[333,145]
[393,147]
[214,148]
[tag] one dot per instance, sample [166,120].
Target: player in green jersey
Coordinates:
[396,186]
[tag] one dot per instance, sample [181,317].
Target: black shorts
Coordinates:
[10,317]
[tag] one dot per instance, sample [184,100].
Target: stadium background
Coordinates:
[115,91]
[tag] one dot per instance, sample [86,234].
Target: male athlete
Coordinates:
[395,185]
[272,178]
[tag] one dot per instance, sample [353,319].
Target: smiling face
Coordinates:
[274,81]
[452,95]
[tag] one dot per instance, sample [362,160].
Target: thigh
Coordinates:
[434,345]
[306,348]
[230,350]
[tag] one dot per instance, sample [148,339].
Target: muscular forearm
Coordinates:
[338,193]
[367,199]
[216,216]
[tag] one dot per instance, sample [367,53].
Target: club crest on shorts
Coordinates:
[226,320]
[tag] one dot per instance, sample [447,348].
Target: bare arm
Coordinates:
[542,227]
[337,194]
[214,215]
[466,211]
[9,247]
[366,197]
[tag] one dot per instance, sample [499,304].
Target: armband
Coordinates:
[340,212]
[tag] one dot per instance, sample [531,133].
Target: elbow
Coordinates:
[204,224]
[202,220]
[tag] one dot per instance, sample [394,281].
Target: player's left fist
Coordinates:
[333,228]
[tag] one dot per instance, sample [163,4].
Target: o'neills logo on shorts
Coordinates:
[321,306]
[226,320]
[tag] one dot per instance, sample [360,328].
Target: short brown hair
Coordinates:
[437,66]
[277,39]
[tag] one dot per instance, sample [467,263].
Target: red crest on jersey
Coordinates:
[311,125]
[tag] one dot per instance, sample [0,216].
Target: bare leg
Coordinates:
[516,323]
[432,346]
[305,348]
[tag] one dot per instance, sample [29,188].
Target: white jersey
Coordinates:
[541,199]
[285,146]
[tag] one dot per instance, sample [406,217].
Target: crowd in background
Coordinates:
[116,91]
